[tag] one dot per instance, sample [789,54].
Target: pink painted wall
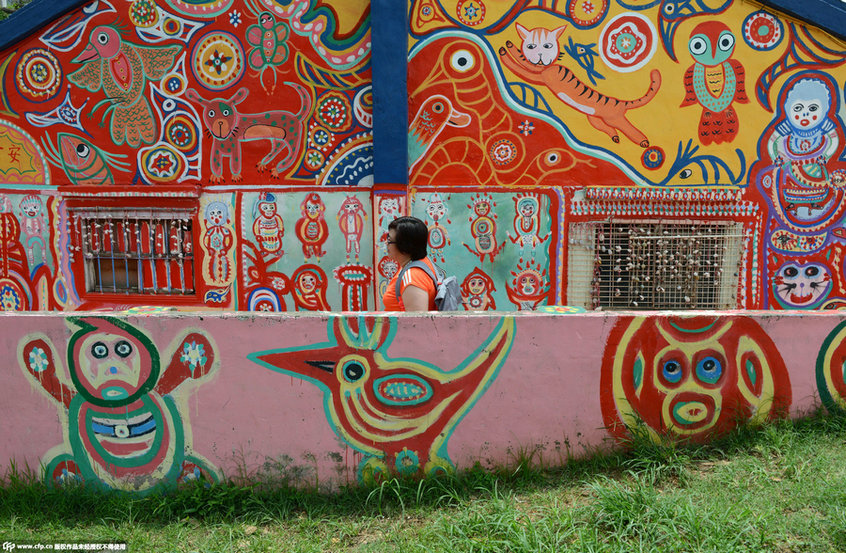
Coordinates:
[547,384]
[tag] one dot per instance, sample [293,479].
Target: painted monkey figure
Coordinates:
[218,239]
[126,413]
[311,228]
[714,81]
[268,228]
[351,217]
[398,413]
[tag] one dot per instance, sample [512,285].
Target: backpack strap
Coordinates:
[420,265]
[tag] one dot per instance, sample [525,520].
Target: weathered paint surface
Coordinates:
[128,402]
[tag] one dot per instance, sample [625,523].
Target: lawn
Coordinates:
[778,488]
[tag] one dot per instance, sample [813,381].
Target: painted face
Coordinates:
[308,282]
[476,285]
[527,209]
[436,210]
[798,285]
[351,206]
[312,209]
[528,283]
[807,104]
[690,377]
[30,208]
[482,208]
[266,20]
[215,216]
[110,366]
[268,209]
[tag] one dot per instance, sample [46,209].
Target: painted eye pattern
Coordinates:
[123,348]
[353,371]
[99,350]
[672,371]
[709,370]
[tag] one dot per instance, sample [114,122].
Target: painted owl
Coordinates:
[714,81]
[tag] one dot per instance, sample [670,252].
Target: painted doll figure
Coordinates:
[218,240]
[268,227]
[477,291]
[33,225]
[527,224]
[801,146]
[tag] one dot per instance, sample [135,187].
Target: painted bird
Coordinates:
[435,114]
[399,413]
[714,81]
[121,69]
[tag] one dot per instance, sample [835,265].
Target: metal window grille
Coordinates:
[654,264]
[136,251]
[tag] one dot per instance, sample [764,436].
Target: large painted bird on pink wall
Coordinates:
[714,81]
[121,69]
[399,413]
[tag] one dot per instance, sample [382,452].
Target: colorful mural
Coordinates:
[250,123]
[398,413]
[122,404]
[156,398]
[690,378]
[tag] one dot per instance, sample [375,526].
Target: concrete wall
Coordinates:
[128,402]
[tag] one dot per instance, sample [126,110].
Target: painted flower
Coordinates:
[526,127]
[217,61]
[194,354]
[37,359]
[234,18]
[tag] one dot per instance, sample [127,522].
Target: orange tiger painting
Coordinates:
[533,62]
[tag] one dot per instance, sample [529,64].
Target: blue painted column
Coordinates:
[389,56]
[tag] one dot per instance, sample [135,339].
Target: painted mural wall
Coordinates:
[132,402]
[219,155]
[224,147]
[557,115]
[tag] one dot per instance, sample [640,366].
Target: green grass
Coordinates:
[778,488]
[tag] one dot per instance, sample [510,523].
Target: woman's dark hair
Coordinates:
[411,236]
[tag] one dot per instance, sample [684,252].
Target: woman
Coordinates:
[407,238]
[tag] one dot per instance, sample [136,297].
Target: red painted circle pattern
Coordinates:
[627,42]
[143,13]
[503,152]
[653,157]
[218,60]
[38,75]
[470,12]
[762,31]
[586,13]
[334,111]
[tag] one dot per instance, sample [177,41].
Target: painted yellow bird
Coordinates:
[399,413]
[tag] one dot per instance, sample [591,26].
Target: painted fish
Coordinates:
[83,162]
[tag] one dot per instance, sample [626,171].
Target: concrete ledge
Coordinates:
[129,402]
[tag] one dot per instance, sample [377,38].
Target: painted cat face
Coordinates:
[540,46]
[802,285]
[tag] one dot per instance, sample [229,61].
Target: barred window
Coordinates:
[654,265]
[135,251]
